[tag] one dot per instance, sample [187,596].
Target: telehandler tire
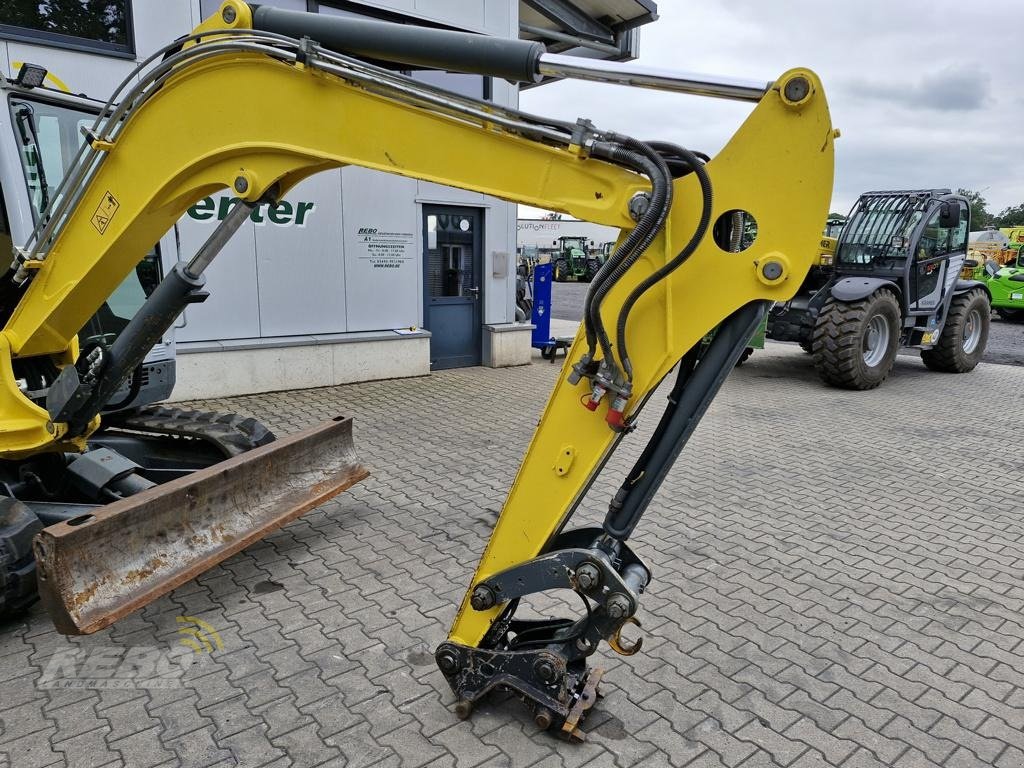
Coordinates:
[18,526]
[964,335]
[854,343]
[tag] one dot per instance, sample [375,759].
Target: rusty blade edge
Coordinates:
[50,590]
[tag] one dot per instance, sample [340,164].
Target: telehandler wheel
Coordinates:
[561,270]
[964,336]
[855,343]
[18,525]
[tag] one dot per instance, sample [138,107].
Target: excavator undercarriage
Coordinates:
[292,99]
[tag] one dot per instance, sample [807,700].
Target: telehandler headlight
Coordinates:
[825,260]
[30,76]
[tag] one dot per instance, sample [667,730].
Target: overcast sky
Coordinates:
[927,94]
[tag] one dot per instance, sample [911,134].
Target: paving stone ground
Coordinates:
[837,583]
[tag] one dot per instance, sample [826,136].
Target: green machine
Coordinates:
[573,260]
[1006,284]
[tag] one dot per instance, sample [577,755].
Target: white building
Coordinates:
[357,275]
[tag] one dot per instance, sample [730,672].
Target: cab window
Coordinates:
[49,137]
[939,241]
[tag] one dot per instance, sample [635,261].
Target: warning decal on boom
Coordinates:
[105,212]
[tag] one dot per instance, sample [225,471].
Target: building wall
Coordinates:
[302,276]
[541,233]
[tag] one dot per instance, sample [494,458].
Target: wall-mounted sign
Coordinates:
[384,250]
[282,213]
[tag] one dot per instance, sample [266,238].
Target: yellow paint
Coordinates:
[778,167]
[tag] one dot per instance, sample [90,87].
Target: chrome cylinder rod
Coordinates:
[559,66]
[239,212]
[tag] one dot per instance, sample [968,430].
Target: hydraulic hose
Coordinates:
[695,164]
[633,154]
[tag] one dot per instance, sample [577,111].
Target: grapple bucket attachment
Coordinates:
[95,569]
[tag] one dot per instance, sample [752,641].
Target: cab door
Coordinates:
[938,259]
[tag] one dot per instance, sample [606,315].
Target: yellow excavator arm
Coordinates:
[245,104]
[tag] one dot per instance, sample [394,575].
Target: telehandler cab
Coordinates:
[290,100]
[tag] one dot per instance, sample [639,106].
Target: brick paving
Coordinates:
[837,583]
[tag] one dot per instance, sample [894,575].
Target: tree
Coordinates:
[835,215]
[980,217]
[1011,217]
[102,20]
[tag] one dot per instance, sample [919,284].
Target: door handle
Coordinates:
[475,291]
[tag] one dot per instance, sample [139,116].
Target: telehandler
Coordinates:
[891,279]
[290,97]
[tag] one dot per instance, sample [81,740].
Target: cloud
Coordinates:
[917,107]
[962,87]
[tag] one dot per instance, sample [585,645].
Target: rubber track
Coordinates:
[232,433]
[17,579]
[836,343]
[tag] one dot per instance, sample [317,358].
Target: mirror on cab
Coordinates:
[991,268]
[949,215]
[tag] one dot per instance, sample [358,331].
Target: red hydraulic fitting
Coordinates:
[615,418]
[596,394]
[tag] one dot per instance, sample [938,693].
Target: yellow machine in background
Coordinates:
[668,282]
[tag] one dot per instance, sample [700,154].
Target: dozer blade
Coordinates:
[95,569]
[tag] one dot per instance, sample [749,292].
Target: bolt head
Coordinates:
[447,662]
[588,576]
[241,185]
[638,205]
[546,669]
[618,606]
[542,718]
[229,15]
[772,270]
[797,89]
[482,598]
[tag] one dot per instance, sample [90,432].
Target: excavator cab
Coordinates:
[46,133]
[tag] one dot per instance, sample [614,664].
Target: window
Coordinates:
[49,137]
[91,25]
[938,241]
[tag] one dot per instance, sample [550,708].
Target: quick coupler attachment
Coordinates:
[543,662]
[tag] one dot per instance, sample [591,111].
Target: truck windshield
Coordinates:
[50,136]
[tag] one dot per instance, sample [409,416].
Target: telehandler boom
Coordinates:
[288,99]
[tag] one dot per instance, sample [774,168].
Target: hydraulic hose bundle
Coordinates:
[660,162]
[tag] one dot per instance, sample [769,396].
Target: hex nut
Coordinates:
[588,576]
[482,598]
[618,606]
